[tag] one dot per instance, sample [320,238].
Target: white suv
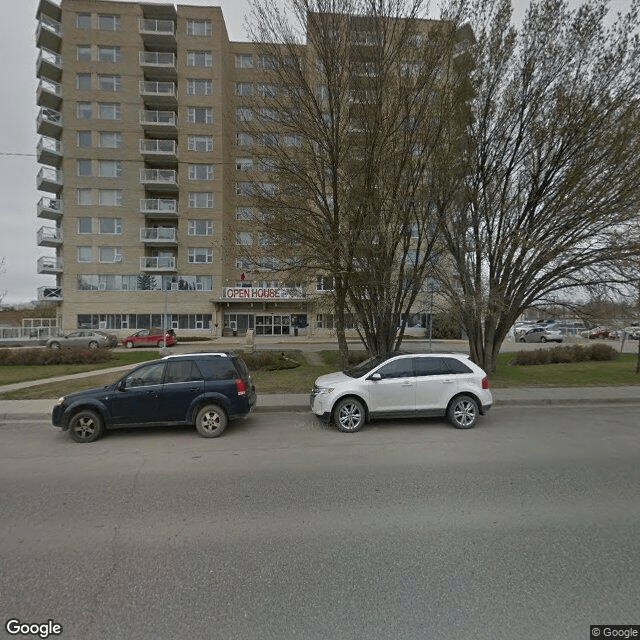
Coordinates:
[403,385]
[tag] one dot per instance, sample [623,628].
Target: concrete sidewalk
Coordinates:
[41,409]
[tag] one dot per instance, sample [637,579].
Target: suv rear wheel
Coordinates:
[211,421]
[463,412]
[349,415]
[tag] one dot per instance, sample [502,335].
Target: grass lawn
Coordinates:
[301,379]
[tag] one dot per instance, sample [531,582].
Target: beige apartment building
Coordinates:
[144,214]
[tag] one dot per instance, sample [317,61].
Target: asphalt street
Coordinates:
[525,527]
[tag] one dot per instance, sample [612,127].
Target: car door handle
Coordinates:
[447,381]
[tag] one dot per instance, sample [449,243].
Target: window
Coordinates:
[85,254]
[146,376]
[200,143]
[268,165]
[84,197]
[324,283]
[109,139]
[267,90]
[402,368]
[182,371]
[292,139]
[109,53]
[84,111]
[243,139]
[264,239]
[200,172]
[244,213]
[243,188]
[455,366]
[200,115]
[199,59]
[110,254]
[268,115]
[243,263]
[244,238]
[200,255]
[109,82]
[83,167]
[83,139]
[267,189]
[200,228]
[244,61]
[198,87]
[198,27]
[200,200]
[84,225]
[244,89]
[108,22]
[83,81]
[244,114]
[83,20]
[110,197]
[110,225]
[83,52]
[268,263]
[244,164]
[109,110]
[269,139]
[322,91]
[266,62]
[109,168]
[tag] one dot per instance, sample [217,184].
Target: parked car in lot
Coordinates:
[403,385]
[150,338]
[87,338]
[595,333]
[540,334]
[201,389]
[632,332]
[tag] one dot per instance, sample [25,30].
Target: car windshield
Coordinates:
[364,367]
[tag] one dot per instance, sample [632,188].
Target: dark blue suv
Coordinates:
[205,389]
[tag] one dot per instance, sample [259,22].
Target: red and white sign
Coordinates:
[250,293]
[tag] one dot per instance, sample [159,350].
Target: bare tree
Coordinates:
[3,270]
[353,89]
[549,191]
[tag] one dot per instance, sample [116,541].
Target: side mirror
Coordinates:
[121,386]
[375,377]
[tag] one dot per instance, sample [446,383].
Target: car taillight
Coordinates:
[240,386]
[485,383]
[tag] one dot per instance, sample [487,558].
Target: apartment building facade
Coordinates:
[142,154]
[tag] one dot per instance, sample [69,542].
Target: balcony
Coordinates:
[49,94]
[49,123]
[158,64]
[48,32]
[49,237]
[159,151]
[159,179]
[159,207]
[49,65]
[160,93]
[49,293]
[50,208]
[159,122]
[50,265]
[158,235]
[49,180]
[49,151]
[157,32]
[156,263]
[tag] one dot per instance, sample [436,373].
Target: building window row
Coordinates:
[105,197]
[143,320]
[105,139]
[105,82]
[102,53]
[103,21]
[102,111]
[106,254]
[143,282]
[100,168]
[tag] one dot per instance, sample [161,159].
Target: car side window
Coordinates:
[430,366]
[216,368]
[182,371]
[146,376]
[455,366]
[402,368]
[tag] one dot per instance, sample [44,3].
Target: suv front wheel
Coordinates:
[349,415]
[211,421]
[86,426]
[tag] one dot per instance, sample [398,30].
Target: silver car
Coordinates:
[87,338]
[540,334]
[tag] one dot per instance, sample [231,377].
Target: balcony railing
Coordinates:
[48,32]
[49,65]
[49,236]
[158,118]
[157,27]
[49,179]
[49,122]
[49,293]
[158,234]
[158,89]
[49,264]
[159,206]
[49,208]
[153,263]
[163,59]
[49,94]
[158,147]
[49,151]
[159,177]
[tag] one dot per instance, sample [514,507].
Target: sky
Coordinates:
[18,139]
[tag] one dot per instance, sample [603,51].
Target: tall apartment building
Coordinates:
[142,152]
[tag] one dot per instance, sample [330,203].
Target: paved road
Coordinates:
[525,527]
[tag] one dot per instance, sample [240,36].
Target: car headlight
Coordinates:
[60,401]
[321,390]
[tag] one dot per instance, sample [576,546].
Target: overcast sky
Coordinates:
[18,139]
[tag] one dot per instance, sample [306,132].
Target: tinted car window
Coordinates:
[217,368]
[364,367]
[430,366]
[402,368]
[455,366]
[146,376]
[182,371]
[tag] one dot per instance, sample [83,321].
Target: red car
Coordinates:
[597,332]
[150,338]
